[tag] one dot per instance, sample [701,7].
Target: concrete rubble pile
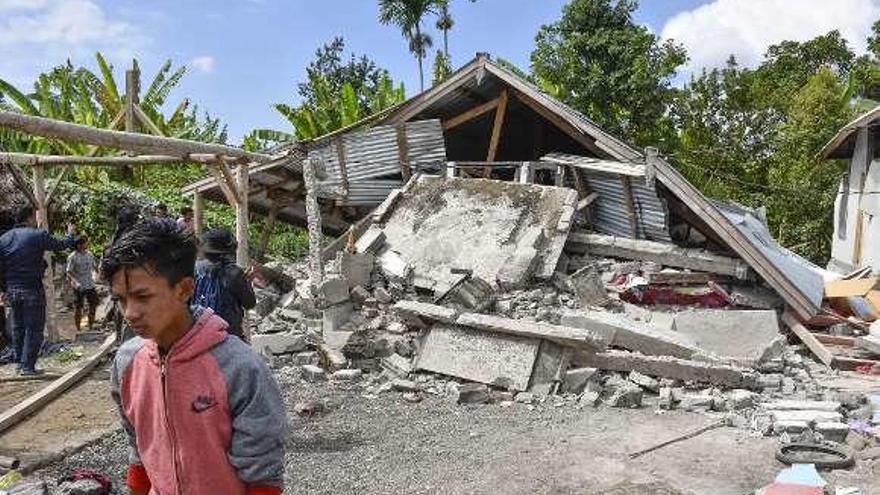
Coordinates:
[483,292]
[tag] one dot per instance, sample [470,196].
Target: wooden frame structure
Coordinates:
[142,150]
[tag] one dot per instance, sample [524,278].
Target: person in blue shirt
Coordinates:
[22,264]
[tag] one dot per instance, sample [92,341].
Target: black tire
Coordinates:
[824,456]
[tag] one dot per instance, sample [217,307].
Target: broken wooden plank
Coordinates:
[816,347]
[588,200]
[495,139]
[846,288]
[13,416]
[658,252]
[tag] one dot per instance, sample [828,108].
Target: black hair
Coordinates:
[186,210]
[162,206]
[24,213]
[81,241]
[156,245]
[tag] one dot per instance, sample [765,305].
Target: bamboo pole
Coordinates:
[198,214]
[103,161]
[140,143]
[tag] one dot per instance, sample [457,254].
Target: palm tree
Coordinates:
[408,16]
[444,24]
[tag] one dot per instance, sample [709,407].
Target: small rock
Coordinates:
[473,393]
[405,348]
[413,397]
[308,408]
[382,295]
[525,398]
[304,358]
[80,487]
[359,295]
[590,398]
[349,375]
[312,373]
[496,396]
[692,402]
[740,399]
[625,395]
[396,327]
[644,381]
[402,385]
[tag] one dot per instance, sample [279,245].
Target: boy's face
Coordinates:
[150,304]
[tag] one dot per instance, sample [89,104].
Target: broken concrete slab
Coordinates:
[800,405]
[620,331]
[371,241]
[336,316]
[517,270]
[393,266]
[356,268]
[334,358]
[624,394]
[644,381]
[397,365]
[502,360]
[273,344]
[384,209]
[333,291]
[425,311]
[470,294]
[744,337]
[475,224]
[588,286]
[575,380]
[347,375]
[792,427]
[549,368]
[669,367]
[658,252]
[806,415]
[834,431]
[563,335]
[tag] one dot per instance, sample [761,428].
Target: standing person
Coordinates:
[185,222]
[80,272]
[7,221]
[161,211]
[21,266]
[221,284]
[201,410]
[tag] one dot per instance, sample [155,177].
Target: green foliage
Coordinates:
[335,96]
[610,68]
[442,68]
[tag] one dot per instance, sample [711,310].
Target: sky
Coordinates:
[245,55]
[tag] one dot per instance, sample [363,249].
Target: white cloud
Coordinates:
[204,63]
[37,34]
[746,28]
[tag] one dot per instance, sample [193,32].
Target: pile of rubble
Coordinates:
[448,293]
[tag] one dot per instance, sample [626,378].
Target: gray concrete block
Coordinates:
[279,343]
[644,381]
[370,241]
[668,367]
[425,311]
[334,291]
[575,380]
[834,431]
[348,375]
[382,295]
[311,373]
[356,268]
[501,360]
[560,334]
[742,337]
[336,316]
[588,286]
[620,331]
[806,415]
[517,270]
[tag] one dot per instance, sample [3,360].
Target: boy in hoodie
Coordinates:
[202,412]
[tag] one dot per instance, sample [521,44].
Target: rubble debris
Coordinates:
[347,375]
[504,361]
[798,405]
[417,311]
[622,393]
[312,373]
[480,225]
[575,380]
[669,367]
[588,286]
[333,358]
[644,381]
[549,368]
[470,294]
[555,333]
[371,241]
[472,393]
[619,331]
[747,338]
[658,252]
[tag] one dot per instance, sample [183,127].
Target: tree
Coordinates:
[408,16]
[445,22]
[442,68]
[610,68]
[334,95]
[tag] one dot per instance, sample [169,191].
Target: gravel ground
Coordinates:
[376,444]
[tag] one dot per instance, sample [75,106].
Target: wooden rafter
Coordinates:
[221,181]
[146,121]
[500,114]
[139,143]
[54,186]
[561,123]
[471,114]
[103,161]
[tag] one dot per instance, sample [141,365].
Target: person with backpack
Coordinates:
[221,284]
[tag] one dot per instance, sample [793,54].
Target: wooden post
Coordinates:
[39,176]
[198,214]
[241,218]
[629,201]
[267,232]
[132,88]
[403,153]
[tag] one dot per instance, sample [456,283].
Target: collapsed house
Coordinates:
[856,205]
[490,234]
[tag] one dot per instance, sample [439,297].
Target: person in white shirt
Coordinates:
[81,274]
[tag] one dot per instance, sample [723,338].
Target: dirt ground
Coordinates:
[383,444]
